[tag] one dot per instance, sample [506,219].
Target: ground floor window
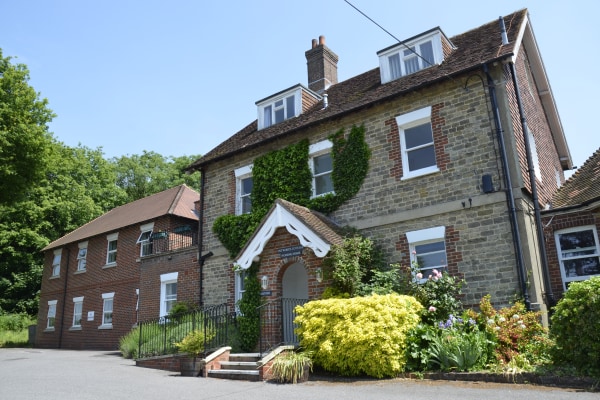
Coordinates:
[107,309]
[428,251]
[51,314]
[578,253]
[77,311]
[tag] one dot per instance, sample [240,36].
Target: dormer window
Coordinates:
[284,105]
[412,55]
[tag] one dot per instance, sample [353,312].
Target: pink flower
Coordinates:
[432,309]
[419,276]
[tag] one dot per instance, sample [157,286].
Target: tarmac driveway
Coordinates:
[80,375]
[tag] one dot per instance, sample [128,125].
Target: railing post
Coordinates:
[140,342]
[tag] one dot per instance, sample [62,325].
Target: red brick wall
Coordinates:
[123,279]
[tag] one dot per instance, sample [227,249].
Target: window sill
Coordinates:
[80,271]
[105,326]
[109,266]
[55,277]
[75,328]
[49,330]
[417,174]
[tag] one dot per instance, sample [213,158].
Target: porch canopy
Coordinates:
[313,229]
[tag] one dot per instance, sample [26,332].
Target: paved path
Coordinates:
[27,374]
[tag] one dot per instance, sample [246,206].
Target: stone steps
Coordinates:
[242,366]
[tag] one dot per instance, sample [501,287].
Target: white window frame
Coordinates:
[573,275]
[51,321]
[82,256]
[410,120]
[108,299]
[435,234]
[240,288]
[268,106]
[113,237]
[77,312]
[166,279]
[386,72]
[144,240]
[56,260]
[240,175]
[316,150]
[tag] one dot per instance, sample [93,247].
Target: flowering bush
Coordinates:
[518,334]
[360,335]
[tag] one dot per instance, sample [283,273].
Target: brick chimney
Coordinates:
[322,66]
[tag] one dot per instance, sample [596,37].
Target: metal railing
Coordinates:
[180,237]
[276,321]
[158,336]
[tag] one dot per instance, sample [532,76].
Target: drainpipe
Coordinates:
[64,300]
[200,238]
[549,296]
[509,191]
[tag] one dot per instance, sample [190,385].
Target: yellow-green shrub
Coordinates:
[361,335]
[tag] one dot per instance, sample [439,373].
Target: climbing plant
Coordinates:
[248,321]
[286,174]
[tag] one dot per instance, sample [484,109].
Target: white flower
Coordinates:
[501,319]
[490,321]
[516,316]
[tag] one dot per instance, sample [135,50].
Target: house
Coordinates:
[466,147]
[130,264]
[571,227]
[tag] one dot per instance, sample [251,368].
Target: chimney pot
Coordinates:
[314,43]
[321,40]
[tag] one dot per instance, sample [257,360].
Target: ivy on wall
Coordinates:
[286,174]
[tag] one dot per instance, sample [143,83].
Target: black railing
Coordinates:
[277,323]
[158,336]
[181,237]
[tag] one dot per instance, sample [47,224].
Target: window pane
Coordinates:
[411,64]
[82,253]
[323,164]
[573,242]
[247,185]
[246,205]
[290,108]
[418,135]
[279,115]
[323,184]
[171,290]
[427,53]
[429,247]
[267,116]
[421,158]
[112,245]
[582,267]
[395,70]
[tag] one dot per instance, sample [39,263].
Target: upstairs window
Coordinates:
[244,186]
[278,108]
[144,239]
[111,251]
[56,263]
[428,250]
[416,141]
[82,256]
[168,292]
[321,165]
[579,253]
[411,56]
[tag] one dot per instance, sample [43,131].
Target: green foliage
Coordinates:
[517,333]
[350,167]
[286,174]
[281,174]
[361,335]
[14,330]
[291,367]
[576,327]
[234,230]
[24,137]
[194,342]
[248,321]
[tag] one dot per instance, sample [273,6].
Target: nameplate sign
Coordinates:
[292,251]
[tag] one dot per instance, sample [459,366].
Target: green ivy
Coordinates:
[248,321]
[286,174]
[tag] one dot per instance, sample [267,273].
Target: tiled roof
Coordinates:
[581,188]
[178,201]
[473,48]
[324,227]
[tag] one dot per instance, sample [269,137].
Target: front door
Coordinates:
[295,292]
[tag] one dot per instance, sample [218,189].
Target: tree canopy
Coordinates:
[48,189]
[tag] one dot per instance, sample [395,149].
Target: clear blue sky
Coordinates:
[178,77]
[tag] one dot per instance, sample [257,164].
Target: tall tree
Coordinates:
[24,136]
[149,173]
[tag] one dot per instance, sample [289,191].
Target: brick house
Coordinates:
[128,265]
[454,126]
[571,227]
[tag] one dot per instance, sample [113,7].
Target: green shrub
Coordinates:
[15,322]
[194,342]
[518,334]
[361,335]
[576,327]
[291,366]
